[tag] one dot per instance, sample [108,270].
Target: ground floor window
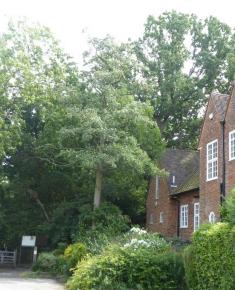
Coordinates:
[151,218]
[196,216]
[161,218]
[184,216]
[212,218]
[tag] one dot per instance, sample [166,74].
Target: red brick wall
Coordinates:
[229,126]
[165,205]
[188,198]
[210,190]
[169,207]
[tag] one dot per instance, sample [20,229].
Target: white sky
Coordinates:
[122,19]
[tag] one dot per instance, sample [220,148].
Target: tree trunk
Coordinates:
[98,184]
[35,196]
[43,209]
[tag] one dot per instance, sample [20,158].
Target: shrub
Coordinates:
[148,264]
[147,270]
[210,260]
[109,223]
[46,262]
[63,224]
[72,255]
[228,209]
[60,249]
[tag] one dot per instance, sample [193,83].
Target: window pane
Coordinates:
[157,188]
[184,216]
[212,157]
[232,145]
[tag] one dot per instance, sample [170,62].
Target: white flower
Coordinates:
[138,231]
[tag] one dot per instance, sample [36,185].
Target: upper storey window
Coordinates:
[157,188]
[232,145]
[212,160]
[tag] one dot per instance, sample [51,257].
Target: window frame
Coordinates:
[184,216]
[230,145]
[212,214]
[161,218]
[211,160]
[195,228]
[156,187]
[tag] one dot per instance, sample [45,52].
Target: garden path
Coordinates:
[12,280]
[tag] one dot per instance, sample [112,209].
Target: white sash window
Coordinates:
[212,160]
[184,216]
[232,145]
[196,216]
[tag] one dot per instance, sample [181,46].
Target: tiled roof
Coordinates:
[220,102]
[190,184]
[219,106]
[183,164]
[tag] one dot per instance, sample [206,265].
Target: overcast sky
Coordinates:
[123,19]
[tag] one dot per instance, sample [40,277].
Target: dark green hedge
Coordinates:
[210,260]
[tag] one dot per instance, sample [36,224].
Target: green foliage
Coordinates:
[178,244]
[210,260]
[136,259]
[182,59]
[228,209]
[60,249]
[190,268]
[104,127]
[64,222]
[108,218]
[73,254]
[109,223]
[61,263]
[47,262]
[123,268]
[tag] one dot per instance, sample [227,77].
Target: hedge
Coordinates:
[210,260]
[119,268]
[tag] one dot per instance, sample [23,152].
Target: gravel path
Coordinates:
[11,280]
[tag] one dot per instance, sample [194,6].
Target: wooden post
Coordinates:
[15,258]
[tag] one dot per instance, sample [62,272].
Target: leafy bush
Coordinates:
[60,249]
[109,223]
[63,224]
[178,244]
[72,255]
[210,260]
[57,263]
[228,209]
[142,262]
[46,262]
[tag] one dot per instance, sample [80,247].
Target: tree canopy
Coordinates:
[104,127]
[184,59]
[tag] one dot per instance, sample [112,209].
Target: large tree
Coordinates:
[103,126]
[34,73]
[184,59]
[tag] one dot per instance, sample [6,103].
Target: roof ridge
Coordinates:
[187,149]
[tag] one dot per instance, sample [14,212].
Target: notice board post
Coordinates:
[29,243]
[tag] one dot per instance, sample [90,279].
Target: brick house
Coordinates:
[197,181]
